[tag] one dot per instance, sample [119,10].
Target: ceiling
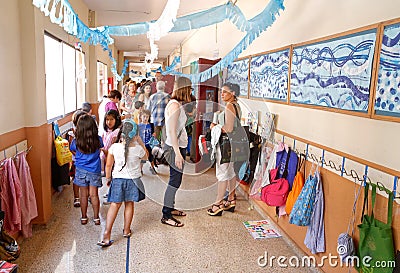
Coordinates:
[123,12]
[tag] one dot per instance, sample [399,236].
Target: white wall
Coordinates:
[302,21]
[10,69]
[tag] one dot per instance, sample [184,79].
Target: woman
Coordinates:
[129,99]
[145,95]
[176,139]
[225,172]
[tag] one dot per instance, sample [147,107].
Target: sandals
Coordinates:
[176,212]
[105,244]
[128,235]
[84,220]
[171,222]
[218,212]
[77,203]
[96,221]
[230,205]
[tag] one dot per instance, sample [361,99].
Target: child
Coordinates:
[86,146]
[125,184]
[145,133]
[75,117]
[112,122]
[139,105]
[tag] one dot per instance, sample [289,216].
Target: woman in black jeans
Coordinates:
[176,137]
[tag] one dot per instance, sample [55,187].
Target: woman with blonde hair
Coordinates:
[177,140]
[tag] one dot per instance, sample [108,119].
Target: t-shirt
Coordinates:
[145,132]
[132,168]
[111,105]
[88,162]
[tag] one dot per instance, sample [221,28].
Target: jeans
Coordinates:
[175,180]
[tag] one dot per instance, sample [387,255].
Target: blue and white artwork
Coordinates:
[334,73]
[387,98]
[238,72]
[269,75]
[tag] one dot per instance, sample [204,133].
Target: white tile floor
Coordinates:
[204,244]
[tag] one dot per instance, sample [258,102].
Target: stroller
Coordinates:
[157,152]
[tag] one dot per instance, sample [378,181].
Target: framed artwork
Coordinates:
[269,75]
[334,73]
[238,72]
[387,92]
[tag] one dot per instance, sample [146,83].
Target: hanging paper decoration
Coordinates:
[101,35]
[160,28]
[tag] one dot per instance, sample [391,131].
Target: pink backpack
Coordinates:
[275,194]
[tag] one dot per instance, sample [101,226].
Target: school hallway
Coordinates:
[204,244]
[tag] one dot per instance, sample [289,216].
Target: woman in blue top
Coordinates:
[86,147]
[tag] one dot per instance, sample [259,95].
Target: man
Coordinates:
[158,77]
[157,104]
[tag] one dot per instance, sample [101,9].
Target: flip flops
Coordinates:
[105,244]
[77,203]
[128,234]
[84,221]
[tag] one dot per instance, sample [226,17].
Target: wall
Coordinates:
[299,22]
[22,73]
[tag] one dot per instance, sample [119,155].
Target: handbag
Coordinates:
[304,205]
[235,146]
[275,194]
[376,237]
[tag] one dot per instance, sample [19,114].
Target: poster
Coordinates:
[261,229]
[335,73]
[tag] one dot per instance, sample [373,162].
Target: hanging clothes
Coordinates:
[28,200]
[10,196]
[315,236]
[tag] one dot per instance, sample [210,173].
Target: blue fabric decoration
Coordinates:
[101,35]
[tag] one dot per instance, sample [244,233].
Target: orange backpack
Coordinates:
[298,184]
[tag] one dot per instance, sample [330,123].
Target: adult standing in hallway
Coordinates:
[157,104]
[129,99]
[157,78]
[176,139]
[225,173]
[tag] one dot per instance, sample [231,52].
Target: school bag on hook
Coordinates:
[275,194]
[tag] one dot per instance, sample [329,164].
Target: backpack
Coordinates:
[275,194]
[297,187]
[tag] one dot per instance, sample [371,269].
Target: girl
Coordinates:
[125,184]
[112,122]
[86,147]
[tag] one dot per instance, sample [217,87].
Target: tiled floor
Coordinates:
[204,244]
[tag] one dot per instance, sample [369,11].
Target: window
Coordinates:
[65,78]
[101,80]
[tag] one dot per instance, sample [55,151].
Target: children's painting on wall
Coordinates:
[387,98]
[269,75]
[238,72]
[335,73]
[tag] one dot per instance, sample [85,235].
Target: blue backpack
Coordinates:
[304,205]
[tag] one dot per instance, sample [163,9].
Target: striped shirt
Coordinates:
[157,104]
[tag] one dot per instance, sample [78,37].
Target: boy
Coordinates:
[139,105]
[145,133]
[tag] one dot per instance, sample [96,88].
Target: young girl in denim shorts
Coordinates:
[123,165]
[86,147]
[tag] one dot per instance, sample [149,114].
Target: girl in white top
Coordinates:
[123,160]
[176,137]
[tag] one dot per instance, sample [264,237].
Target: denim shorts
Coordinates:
[125,190]
[84,178]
